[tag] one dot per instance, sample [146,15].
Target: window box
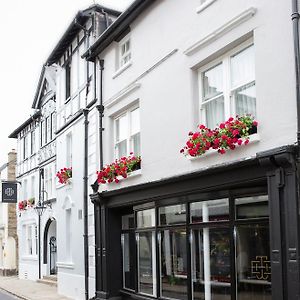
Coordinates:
[121,168]
[228,136]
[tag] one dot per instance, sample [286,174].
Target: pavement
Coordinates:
[29,290]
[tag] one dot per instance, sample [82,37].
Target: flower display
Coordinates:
[22,205]
[120,168]
[31,201]
[64,175]
[230,134]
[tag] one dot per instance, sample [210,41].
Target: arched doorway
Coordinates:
[50,247]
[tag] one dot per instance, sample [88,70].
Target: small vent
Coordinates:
[79,214]
[26,275]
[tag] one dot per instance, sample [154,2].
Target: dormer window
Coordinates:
[124,51]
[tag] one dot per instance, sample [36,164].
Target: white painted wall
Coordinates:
[168,94]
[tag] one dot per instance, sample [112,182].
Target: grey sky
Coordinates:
[29,30]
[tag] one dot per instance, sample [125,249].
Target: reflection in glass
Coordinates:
[252,207]
[146,218]
[214,111]
[173,264]
[128,222]
[210,211]
[128,244]
[175,214]
[146,263]
[243,67]
[213,82]
[253,266]
[211,264]
[245,100]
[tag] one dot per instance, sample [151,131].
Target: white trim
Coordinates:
[29,257]
[123,93]
[122,69]
[204,5]
[65,265]
[233,23]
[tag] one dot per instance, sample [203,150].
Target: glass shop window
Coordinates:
[128,251]
[210,211]
[173,263]
[170,215]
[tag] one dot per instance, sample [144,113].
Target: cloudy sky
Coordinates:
[29,30]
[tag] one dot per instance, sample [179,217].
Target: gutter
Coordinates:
[116,28]
[295,19]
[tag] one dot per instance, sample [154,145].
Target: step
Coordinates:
[48,282]
[50,277]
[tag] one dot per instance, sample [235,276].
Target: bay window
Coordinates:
[127,133]
[227,86]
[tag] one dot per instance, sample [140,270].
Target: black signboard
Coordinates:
[9,192]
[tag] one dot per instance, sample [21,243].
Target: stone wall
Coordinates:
[12,214]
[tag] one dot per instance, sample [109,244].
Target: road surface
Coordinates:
[6,296]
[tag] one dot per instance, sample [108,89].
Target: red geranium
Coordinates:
[64,175]
[227,136]
[121,167]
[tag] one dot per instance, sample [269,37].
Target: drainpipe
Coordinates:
[295,19]
[85,206]
[95,186]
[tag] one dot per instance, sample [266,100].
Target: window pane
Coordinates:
[146,263]
[146,218]
[128,221]
[211,264]
[175,214]
[121,128]
[136,147]
[242,67]
[135,121]
[210,211]
[253,262]
[121,149]
[214,112]
[212,82]
[245,100]
[252,207]
[173,264]
[128,242]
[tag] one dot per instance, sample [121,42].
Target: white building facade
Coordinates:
[207,227]
[211,226]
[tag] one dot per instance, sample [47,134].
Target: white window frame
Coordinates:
[69,149]
[203,4]
[229,101]
[30,239]
[129,137]
[122,57]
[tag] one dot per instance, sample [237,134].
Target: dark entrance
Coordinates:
[53,249]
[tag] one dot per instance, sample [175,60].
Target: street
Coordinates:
[6,296]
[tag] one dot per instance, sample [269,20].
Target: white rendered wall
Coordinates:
[168,93]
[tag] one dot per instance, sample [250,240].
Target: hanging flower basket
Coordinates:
[22,205]
[229,135]
[121,168]
[64,175]
[31,202]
